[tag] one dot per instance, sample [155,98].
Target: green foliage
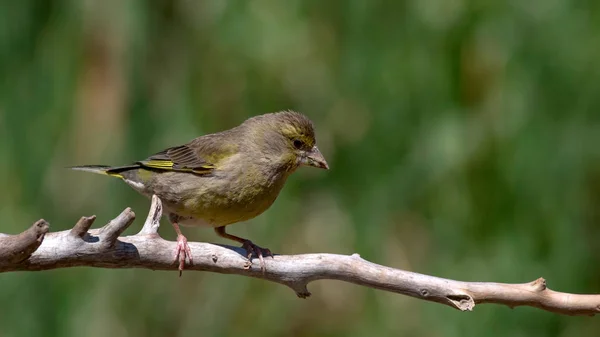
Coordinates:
[462,136]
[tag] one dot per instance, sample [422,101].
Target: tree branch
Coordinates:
[17,248]
[36,249]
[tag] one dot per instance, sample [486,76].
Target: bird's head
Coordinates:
[287,136]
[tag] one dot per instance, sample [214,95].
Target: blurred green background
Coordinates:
[463,138]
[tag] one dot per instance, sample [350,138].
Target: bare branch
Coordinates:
[83,226]
[110,233]
[16,248]
[105,249]
[153,220]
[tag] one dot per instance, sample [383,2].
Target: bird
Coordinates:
[223,178]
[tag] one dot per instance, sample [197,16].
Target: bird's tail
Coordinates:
[113,171]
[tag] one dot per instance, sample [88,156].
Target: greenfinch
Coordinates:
[223,178]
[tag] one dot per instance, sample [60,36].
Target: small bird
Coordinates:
[223,178]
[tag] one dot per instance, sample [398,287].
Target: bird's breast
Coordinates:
[235,195]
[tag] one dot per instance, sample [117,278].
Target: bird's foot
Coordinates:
[260,252]
[182,251]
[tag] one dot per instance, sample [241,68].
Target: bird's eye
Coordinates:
[298,144]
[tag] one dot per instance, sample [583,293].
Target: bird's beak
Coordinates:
[315,158]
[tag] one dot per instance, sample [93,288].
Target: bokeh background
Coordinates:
[463,139]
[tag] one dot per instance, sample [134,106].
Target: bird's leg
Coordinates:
[183,249]
[248,245]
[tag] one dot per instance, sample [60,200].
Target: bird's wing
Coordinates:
[201,156]
[179,158]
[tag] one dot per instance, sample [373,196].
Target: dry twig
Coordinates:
[36,249]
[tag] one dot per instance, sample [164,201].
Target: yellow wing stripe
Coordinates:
[116,175]
[168,165]
[159,164]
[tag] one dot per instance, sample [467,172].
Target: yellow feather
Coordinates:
[168,165]
[159,163]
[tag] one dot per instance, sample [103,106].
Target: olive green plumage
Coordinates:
[226,177]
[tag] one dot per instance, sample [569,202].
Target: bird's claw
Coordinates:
[181,252]
[260,252]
